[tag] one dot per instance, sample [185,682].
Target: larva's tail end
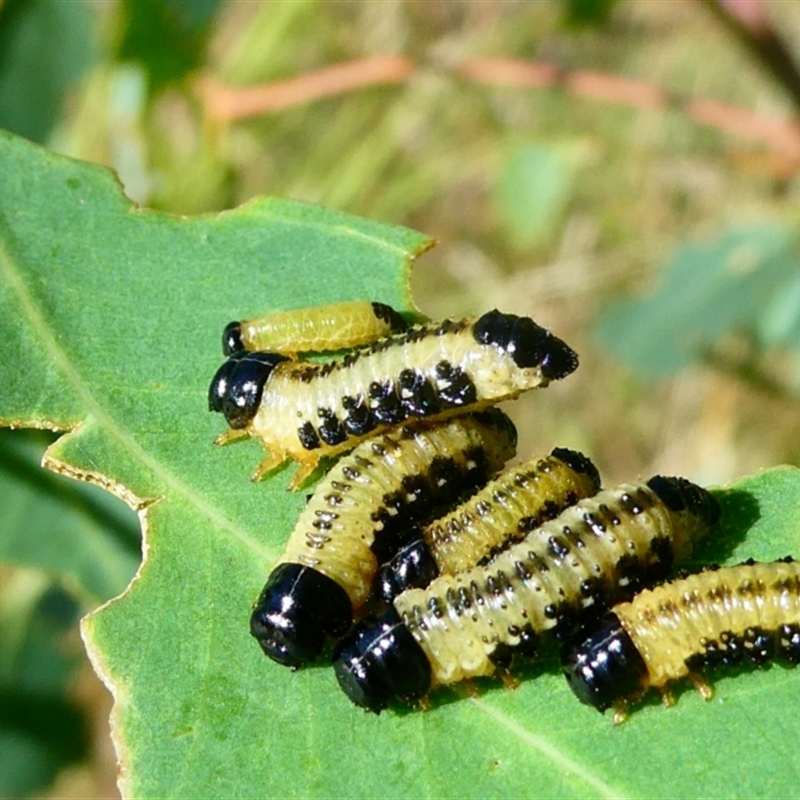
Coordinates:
[680,494]
[605,669]
[232,338]
[380,662]
[296,611]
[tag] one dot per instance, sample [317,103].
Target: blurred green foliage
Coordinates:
[45,48]
[658,247]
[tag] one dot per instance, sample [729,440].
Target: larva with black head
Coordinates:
[719,617]
[499,514]
[305,411]
[336,326]
[369,498]
[596,552]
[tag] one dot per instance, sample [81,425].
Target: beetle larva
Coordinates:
[307,410]
[464,626]
[369,497]
[499,514]
[335,326]
[722,616]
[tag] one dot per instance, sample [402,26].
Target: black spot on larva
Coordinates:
[789,643]
[384,403]
[308,436]
[418,396]
[331,431]
[358,420]
[606,667]
[238,385]
[232,338]
[528,344]
[444,471]
[451,326]
[558,547]
[388,315]
[456,389]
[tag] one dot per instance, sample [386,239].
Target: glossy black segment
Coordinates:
[308,436]
[238,384]
[384,404]
[232,338]
[388,315]
[455,386]
[418,395]
[295,613]
[412,567]
[579,462]
[606,667]
[380,661]
[527,343]
[331,430]
[358,420]
[220,383]
[679,494]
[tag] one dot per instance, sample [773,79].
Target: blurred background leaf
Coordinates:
[662,244]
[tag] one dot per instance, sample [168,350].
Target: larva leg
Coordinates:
[230,436]
[267,465]
[424,704]
[302,475]
[705,689]
[509,681]
[620,713]
[666,697]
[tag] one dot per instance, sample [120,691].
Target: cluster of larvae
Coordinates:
[426,564]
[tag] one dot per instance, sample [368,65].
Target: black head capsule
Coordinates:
[605,668]
[232,338]
[413,566]
[578,462]
[529,344]
[380,661]
[679,494]
[238,384]
[295,613]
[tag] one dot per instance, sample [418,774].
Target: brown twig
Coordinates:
[780,135]
[748,21]
[226,103]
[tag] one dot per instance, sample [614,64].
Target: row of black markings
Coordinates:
[459,570]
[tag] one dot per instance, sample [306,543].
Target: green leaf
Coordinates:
[168,37]
[45,48]
[41,727]
[81,536]
[111,318]
[532,190]
[736,282]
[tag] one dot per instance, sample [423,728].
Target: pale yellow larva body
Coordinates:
[594,552]
[700,617]
[305,411]
[335,326]
[388,483]
[502,512]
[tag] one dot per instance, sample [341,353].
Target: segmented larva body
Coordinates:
[306,410]
[508,508]
[496,516]
[722,616]
[462,626]
[336,326]
[384,486]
